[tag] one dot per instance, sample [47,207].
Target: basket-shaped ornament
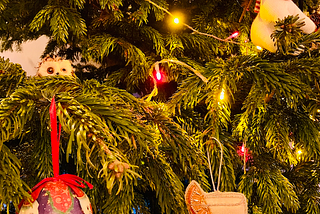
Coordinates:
[200,202]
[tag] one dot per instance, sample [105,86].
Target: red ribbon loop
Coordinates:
[54,138]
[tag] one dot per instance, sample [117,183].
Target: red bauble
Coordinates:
[57,197]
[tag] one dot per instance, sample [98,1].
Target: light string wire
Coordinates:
[194,30]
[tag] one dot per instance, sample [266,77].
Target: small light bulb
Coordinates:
[242,149]
[176,20]
[299,152]
[158,75]
[259,48]
[235,34]
[222,94]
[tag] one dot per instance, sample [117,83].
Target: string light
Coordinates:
[243,152]
[299,152]
[176,20]
[222,94]
[235,34]
[158,76]
[259,48]
[242,148]
[194,30]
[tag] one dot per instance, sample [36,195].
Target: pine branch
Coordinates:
[62,19]
[105,44]
[14,188]
[163,180]
[3,4]
[156,37]
[273,189]
[11,76]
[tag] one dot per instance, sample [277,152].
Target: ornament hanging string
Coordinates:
[209,162]
[55,138]
[71,180]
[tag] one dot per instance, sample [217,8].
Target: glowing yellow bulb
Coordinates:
[222,94]
[299,152]
[259,48]
[176,20]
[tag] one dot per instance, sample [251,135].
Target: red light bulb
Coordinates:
[242,148]
[235,34]
[158,76]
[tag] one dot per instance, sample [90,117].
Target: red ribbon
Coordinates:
[54,138]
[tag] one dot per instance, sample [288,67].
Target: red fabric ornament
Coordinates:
[60,194]
[257,6]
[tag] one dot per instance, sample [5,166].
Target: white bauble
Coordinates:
[270,11]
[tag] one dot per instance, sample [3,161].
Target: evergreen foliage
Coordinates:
[164,133]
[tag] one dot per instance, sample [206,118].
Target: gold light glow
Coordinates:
[222,94]
[259,48]
[176,20]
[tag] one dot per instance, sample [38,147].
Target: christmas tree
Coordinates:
[169,79]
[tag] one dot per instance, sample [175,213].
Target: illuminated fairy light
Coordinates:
[176,20]
[299,152]
[222,94]
[158,76]
[259,48]
[235,34]
[242,149]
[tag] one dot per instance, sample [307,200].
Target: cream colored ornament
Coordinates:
[270,11]
[200,202]
[54,66]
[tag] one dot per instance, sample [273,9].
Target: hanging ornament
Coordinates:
[55,66]
[270,11]
[257,6]
[315,17]
[60,194]
[200,202]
